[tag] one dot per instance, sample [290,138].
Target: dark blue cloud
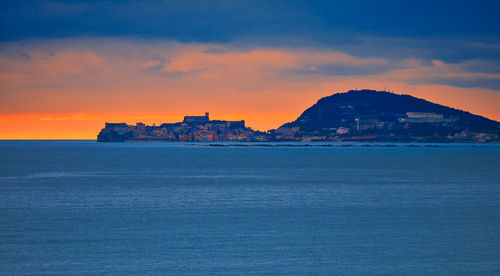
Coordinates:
[464,82]
[346,70]
[225,20]
[446,30]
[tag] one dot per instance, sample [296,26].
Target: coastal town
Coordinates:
[356,115]
[202,129]
[191,129]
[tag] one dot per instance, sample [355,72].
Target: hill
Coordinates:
[385,116]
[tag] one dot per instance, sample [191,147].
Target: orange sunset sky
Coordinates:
[67,91]
[67,68]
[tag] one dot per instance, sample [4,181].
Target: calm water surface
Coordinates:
[81,207]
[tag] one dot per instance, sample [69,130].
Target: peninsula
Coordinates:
[191,129]
[356,115]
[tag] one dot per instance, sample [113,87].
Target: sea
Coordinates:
[88,208]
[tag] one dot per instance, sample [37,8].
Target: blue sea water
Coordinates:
[87,208]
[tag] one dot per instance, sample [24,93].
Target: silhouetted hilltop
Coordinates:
[385,114]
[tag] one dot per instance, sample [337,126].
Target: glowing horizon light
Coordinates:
[63,88]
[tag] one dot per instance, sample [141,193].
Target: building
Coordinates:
[236,124]
[342,130]
[196,119]
[363,124]
[426,117]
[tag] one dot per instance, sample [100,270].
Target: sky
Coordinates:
[67,67]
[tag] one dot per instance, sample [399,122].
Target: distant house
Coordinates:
[426,117]
[196,119]
[342,130]
[363,124]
